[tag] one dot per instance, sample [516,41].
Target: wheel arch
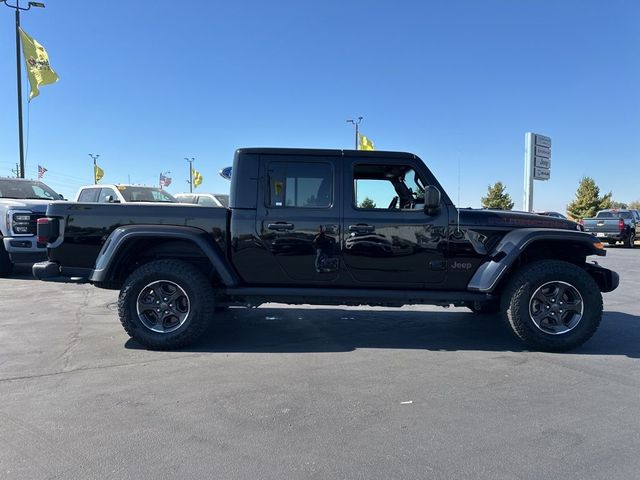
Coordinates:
[524,246]
[129,247]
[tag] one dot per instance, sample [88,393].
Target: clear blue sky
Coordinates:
[146,83]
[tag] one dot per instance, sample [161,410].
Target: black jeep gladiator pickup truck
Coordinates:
[298,231]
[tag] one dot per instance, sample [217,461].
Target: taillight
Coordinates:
[47,230]
[621,224]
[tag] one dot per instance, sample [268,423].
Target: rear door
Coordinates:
[298,221]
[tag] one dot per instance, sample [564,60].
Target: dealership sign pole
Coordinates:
[537,164]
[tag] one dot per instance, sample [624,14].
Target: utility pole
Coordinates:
[190,181]
[356,123]
[95,164]
[17,8]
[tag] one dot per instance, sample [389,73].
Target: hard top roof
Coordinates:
[324,152]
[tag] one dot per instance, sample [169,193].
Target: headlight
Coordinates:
[21,222]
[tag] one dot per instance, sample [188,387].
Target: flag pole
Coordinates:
[190,160]
[17,8]
[95,164]
[19,78]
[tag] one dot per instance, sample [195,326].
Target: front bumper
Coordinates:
[24,249]
[607,280]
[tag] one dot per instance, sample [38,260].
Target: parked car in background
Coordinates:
[208,199]
[615,226]
[22,202]
[123,194]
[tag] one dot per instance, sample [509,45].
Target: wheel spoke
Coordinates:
[560,292]
[539,316]
[541,297]
[575,306]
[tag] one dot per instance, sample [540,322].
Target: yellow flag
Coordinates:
[197,178]
[37,60]
[98,173]
[364,143]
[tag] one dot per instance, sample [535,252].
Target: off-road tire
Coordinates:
[630,241]
[6,266]
[200,296]
[524,283]
[486,308]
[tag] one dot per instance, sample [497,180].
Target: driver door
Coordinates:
[387,238]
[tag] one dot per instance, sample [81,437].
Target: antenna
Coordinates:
[458,207]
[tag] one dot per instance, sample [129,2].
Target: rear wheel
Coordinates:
[166,304]
[630,241]
[6,266]
[552,305]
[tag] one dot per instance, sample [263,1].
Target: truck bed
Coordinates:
[87,225]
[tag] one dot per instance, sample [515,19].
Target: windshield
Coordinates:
[145,194]
[26,190]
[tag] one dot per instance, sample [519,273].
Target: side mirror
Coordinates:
[111,199]
[432,199]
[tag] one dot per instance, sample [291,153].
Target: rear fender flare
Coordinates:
[121,237]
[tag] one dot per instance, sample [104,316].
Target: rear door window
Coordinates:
[89,195]
[206,201]
[300,185]
[106,194]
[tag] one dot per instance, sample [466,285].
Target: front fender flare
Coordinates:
[489,274]
[121,236]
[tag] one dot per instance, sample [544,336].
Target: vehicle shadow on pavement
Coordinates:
[22,271]
[298,330]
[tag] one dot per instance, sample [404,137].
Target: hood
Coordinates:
[510,219]
[39,206]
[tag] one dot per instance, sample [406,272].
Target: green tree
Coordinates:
[367,203]
[588,200]
[635,205]
[497,197]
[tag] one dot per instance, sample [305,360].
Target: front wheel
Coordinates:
[552,305]
[166,304]
[6,266]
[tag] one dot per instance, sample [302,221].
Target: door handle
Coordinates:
[361,228]
[280,226]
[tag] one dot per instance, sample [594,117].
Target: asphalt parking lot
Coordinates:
[305,392]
